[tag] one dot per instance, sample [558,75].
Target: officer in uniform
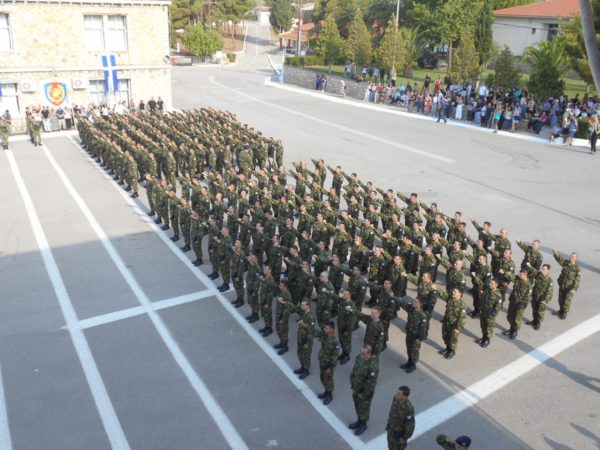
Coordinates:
[540,296]
[568,282]
[401,420]
[328,358]
[363,380]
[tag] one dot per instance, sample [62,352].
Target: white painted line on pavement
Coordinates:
[470,396]
[335,423]
[387,109]
[222,421]
[105,408]
[5,440]
[104,319]
[322,121]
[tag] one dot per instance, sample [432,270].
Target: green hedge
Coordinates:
[231,57]
[301,61]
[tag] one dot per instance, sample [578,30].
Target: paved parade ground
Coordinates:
[112,338]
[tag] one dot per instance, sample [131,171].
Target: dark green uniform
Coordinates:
[282,316]
[400,424]
[416,329]
[346,321]
[454,320]
[363,380]
[489,306]
[266,292]
[541,296]
[374,334]
[568,282]
[517,302]
[305,337]
[328,358]
[238,267]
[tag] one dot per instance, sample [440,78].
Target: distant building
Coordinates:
[289,41]
[522,26]
[77,52]
[263,14]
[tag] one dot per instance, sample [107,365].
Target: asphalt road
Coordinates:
[110,337]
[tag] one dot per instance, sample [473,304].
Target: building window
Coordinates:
[533,31]
[552,30]
[5,38]
[97,92]
[9,99]
[116,35]
[105,33]
[124,93]
[94,33]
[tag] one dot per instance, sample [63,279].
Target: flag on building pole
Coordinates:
[111,78]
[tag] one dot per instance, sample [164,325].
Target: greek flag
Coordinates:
[111,79]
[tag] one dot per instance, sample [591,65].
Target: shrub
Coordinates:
[583,128]
[231,57]
[313,60]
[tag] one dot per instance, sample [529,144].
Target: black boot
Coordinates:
[283,350]
[239,303]
[157,221]
[411,368]
[345,359]
[279,345]
[213,275]
[224,287]
[406,364]
[185,248]
[361,429]
[485,342]
[354,425]
[268,332]
[128,189]
[175,238]
[322,395]
[328,398]
[164,227]
[450,354]
[299,371]
[198,262]
[536,326]
[304,374]
[135,195]
[513,334]
[151,213]
[507,332]
[253,318]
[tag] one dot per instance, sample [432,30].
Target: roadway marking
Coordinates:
[470,396]
[109,418]
[222,421]
[322,121]
[5,440]
[116,316]
[338,426]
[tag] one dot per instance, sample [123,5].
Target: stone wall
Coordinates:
[306,79]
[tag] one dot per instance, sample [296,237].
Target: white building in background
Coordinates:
[522,26]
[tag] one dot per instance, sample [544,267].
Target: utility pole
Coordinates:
[397,13]
[299,28]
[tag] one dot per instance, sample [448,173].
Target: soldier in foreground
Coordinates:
[401,420]
[460,443]
[363,380]
[568,282]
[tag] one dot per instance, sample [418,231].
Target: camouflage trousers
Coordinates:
[4,139]
[174,224]
[253,302]
[386,328]
[185,232]
[132,181]
[538,308]
[345,338]
[197,245]
[564,299]
[267,314]
[283,328]
[150,196]
[225,269]
[304,356]
[238,285]
[515,314]
[428,312]
[487,324]
[394,441]
[450,338]
[413,348]
[476,299]
[164,215]
[214,260]
[327,378]
[323,315]
[172,179]
[362,405]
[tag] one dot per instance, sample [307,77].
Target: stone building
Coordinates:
[66,52]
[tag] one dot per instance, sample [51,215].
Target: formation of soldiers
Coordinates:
[4,132]
[285,238]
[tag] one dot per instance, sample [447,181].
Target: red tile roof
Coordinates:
[549,8]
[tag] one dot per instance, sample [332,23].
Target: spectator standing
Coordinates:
[594,132]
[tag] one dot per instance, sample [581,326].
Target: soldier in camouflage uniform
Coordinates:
[132,177]
[401,420]
[328,358]
[375,332]
[540,296]
[185,221]
[346,321]
[426,294]
[505,270]
[481,277]
[254,270]
[358,288]
[266,293]
[490,303]
[416,331]
[151,187]
[4,132]
[454,320]
[196,234]
[325,298]
[568,282]
[224,251]
[305,337]
[238,267]
[519,300]
[389,309]
[363,380]
[283,308]
[455,277]
[532,260]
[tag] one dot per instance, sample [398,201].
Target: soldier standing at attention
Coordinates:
[238,267]
[401,420]
[252,287]
[305,337]
[461,442]
[266,292]
[328,358]
[517,302]
[454,320]
[283,309]
[540,296]
[416,332]
[568,282]
[132,176]
[346,320]
[196,233]
[363,380]
[224,250]
[490,303]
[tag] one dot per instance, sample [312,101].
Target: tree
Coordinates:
[592,45]
[358,44]
[506,75]
[413,49]
[484,42]
[549,63]
[329,42]
[391,52]
[281,15]
[572,35]
[200,41]
[501,4]
[466,66]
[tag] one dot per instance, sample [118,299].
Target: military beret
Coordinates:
[464,441]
